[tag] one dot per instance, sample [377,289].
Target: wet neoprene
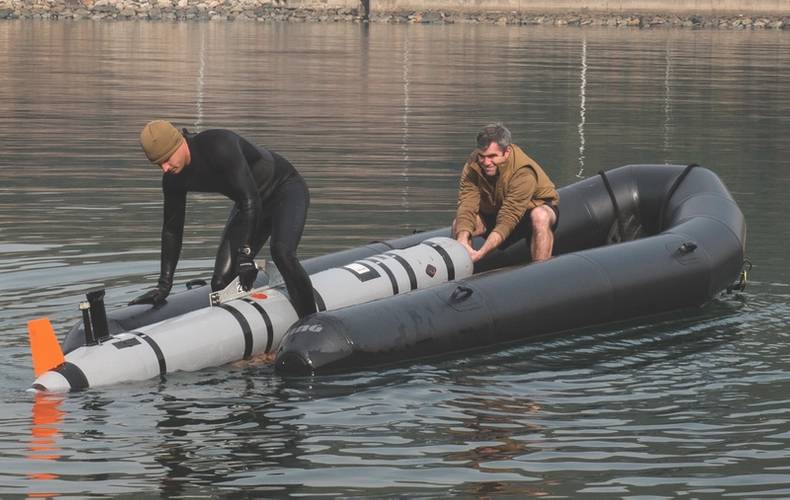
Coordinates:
[245,268]
[271,199]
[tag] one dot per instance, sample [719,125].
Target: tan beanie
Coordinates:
[159,140]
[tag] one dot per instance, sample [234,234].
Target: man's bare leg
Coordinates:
[542,219]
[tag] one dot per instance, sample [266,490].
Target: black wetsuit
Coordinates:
[271,199]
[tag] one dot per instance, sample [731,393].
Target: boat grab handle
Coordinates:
[460,294]
[687,247]
[195,283]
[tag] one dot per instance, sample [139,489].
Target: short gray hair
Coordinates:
[494,132]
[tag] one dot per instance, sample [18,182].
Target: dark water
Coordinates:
[379,120]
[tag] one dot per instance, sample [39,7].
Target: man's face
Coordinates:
[177,161]
[491,158]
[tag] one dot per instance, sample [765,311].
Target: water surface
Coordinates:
[379,120]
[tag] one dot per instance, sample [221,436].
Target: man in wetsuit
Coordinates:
[270,196]
[505,195]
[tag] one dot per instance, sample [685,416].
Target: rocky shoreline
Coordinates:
[255,10]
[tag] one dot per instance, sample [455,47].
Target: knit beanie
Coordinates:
[159,140]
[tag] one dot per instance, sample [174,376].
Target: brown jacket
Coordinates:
[520,185]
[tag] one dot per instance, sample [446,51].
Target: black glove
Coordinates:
[246,269]
[155,297]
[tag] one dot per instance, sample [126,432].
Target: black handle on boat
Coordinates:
[687,247]
[461,293]
[195,283]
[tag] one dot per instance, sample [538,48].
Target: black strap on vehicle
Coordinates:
[671,192]
[618,215]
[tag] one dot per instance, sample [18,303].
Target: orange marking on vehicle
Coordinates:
[259,295]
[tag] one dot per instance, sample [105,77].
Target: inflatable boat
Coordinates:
[632,241]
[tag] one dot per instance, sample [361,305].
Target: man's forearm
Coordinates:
[493,241]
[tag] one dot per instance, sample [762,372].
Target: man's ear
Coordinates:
[507,152]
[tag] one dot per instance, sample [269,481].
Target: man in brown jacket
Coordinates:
[505,195]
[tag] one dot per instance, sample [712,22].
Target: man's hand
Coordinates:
[464,238]
[246,268]
[155,297]
[493,241]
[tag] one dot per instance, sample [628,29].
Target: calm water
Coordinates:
[379,121]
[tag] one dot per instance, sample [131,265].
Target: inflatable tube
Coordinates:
[239,329]
[634,241]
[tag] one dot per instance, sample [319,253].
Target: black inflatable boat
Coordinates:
[632,241]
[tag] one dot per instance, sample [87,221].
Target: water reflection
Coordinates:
[44,440]
[201,78]
[499,422]
[667,103]
[405,126]
[582,107]
[242,432]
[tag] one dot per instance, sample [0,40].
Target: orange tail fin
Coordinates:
[44,346]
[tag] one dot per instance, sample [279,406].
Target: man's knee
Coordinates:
[542,218]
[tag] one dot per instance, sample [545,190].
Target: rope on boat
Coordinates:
[671,192]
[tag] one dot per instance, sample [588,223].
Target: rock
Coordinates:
[319,11]
[633,21]
[105,9]
[431,18]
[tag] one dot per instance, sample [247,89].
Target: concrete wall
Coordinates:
[549,6]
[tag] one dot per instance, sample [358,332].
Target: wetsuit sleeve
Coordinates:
[520,191]
[468,200]
[172,235]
